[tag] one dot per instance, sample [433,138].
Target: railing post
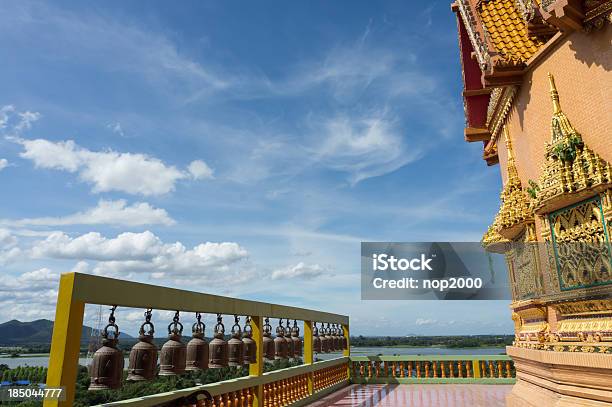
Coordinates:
[347,351]
[308,353]
[476,368]
[65,342]
[256,369]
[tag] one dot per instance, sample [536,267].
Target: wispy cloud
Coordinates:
[96,39]
[116,128]
[14,122]
[364,147]
[116,213]
[297,271]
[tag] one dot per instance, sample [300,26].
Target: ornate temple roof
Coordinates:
[498,40]
[508,30]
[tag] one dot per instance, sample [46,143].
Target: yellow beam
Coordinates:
[66,341]
[347,352]
[308,353]
[256,369]
[109,291]
[347,335]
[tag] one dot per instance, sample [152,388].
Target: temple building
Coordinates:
[538,97]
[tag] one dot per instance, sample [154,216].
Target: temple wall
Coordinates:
[562,350]
[582,66]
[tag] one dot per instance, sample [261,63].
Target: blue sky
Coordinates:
[236,148]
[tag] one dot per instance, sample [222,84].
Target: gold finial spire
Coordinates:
[508,143]
[554,95]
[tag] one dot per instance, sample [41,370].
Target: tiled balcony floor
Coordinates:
[418,395]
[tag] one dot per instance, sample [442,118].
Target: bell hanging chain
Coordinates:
[111,324]
[147,323]
[219,328]
[267,326]
[175,327]
[236,327]
[198,326]
[247,325]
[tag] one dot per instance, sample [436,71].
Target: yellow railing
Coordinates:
[285,387]
[482,369]
[77,289]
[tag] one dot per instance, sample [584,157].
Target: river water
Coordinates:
[366,351]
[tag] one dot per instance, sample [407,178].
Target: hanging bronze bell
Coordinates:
[107,365]
[173,354]
[235,345]
[324,340]
[143,356]
[289,340]
[250,347]
[297,342]
[330,339]
[197,347]
[344,339]
[268,342]
[336,339]
[280,344]
[218,349]
[316,340]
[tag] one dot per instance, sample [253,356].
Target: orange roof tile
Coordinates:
[507,30]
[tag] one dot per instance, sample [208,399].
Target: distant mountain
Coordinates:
[17,333]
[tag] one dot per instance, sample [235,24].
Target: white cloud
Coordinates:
[80,267]
[126,246]
[7,240]
[25,120]
[9,250]
[348,71]
[300,270]
[116,128]
[363,147]
[200,170]
[105,213]
[142,252]
[37,279]
[423,321]
[106,170]
[5,112]
[62,155]
[28,296]
[15,122]
[3,163]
